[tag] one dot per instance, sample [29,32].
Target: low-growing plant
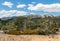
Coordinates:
[14,32]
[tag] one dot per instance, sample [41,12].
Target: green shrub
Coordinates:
[14,32]
[30,32]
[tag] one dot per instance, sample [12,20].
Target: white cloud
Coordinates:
[9,4]
[10,13]
[33,2]
[21,6]
[20,13]
[32,13]
[30,5]
[45,7]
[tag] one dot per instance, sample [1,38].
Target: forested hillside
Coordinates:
[31,24]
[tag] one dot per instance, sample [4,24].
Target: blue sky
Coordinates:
[25,7]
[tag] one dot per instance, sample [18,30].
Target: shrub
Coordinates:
[30,32]
[14,32]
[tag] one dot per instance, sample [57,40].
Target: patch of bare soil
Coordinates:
[5,37]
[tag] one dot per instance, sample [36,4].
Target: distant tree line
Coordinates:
[31,24]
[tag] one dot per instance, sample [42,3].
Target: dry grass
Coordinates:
[5,37]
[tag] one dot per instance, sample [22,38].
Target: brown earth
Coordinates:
[5,37]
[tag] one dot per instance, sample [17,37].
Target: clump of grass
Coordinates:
[30,32]
[14,32]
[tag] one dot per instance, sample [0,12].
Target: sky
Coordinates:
[9,8]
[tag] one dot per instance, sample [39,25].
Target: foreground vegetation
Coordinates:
[31,24]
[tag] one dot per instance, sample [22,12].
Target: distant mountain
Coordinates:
[57,16]
[48,15]
[34,16]
[8,18]
[31,16]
